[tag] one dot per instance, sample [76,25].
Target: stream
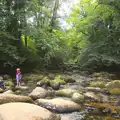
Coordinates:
[75,86]
[78,85]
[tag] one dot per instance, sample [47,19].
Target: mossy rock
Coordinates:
[51,76]
[55,85]
[100,84]
[65,92]
[9,83]
[32,77]
[114,91]
[78,98]
[103,75]
[58,79]
[113,84]
[46,81]
[6,98]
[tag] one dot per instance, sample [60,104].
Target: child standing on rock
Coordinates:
[18,76]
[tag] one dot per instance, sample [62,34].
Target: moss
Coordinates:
[9,83]
[100,84]
[59,80]
[46,80]
[114,91]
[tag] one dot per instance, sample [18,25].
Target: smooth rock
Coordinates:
[59,105]
[78,97]
[25,111]
[65,92]
[37,93]
[6,98]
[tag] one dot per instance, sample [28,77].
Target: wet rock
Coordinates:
[65,92]
[25,111]
[37,93]
[59,105]
[78,98]
[6,98]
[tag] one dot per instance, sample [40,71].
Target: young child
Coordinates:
[18,76]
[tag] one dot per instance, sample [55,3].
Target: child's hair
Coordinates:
[18,69]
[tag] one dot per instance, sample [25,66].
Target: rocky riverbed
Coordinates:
[70,96]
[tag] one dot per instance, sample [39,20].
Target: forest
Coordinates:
[31,35]
[60,59]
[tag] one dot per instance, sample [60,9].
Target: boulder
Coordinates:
[59,105]
[78,98]
[113,84]
[6,98]
[37,93]
[25,111]
[65,92]
[91,96]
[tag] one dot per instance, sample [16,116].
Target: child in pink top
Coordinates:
[18,76]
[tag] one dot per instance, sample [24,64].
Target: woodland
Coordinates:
[31,36]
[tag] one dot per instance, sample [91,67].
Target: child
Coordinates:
[18,76]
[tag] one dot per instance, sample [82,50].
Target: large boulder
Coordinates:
[37,93]
[6,98]
[59,105]
[65,92]
[77,97]
[25,111]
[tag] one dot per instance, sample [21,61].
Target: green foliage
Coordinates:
[59,80]
[95,33]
